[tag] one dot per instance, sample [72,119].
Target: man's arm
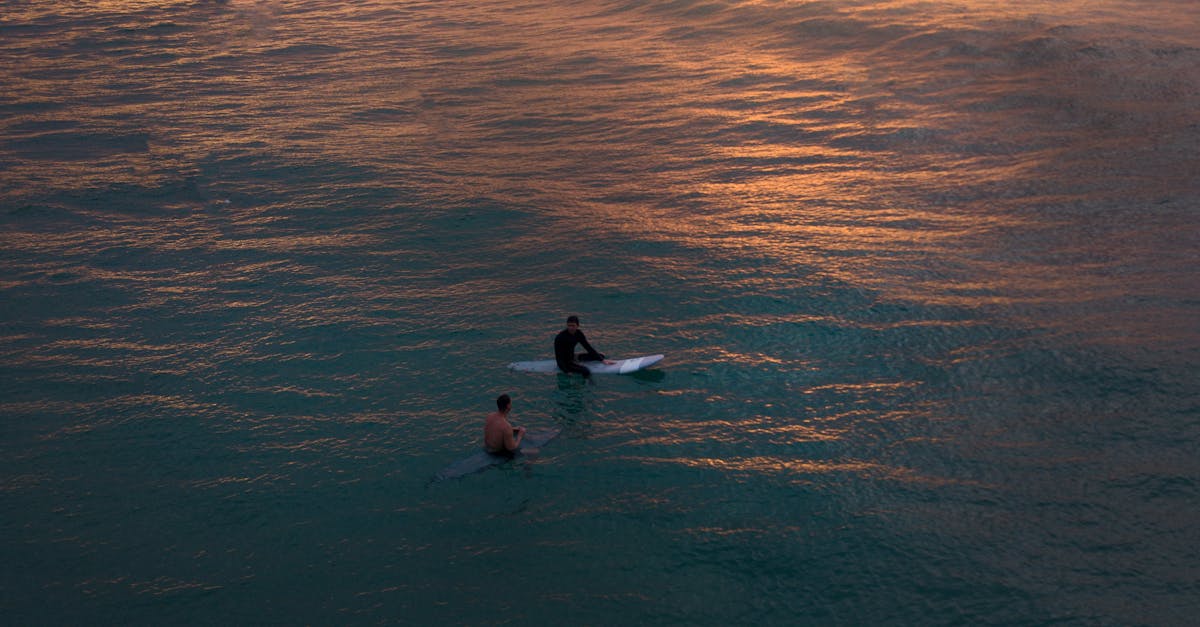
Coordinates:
[512,438]
[594,354]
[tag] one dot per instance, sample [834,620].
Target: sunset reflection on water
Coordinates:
[915,267]
[926,158]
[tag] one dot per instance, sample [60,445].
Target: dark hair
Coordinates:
[571,319]
[503,402]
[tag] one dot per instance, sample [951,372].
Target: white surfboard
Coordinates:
[482,460]
[619,366]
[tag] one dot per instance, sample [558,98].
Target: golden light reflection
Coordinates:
[96,416]
[771,429]
[872,388]
[336,241]
[885,145]
[804,471]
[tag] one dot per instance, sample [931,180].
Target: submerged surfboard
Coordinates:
[483,459]
[619,366]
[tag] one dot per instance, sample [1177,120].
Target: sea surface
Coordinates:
[926,275]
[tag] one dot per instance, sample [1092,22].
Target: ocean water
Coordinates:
[925,274]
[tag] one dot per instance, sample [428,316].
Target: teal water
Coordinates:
[924,273]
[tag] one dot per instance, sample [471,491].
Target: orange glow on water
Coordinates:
[801,470]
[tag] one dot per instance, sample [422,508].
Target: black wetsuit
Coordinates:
[564,352]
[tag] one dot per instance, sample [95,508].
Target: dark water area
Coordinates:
[924,275]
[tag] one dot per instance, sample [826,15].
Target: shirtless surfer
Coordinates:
[564,349]
[498,435]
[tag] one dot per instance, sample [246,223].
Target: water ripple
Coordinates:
[924,276]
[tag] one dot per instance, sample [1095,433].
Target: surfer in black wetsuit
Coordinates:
[564,349]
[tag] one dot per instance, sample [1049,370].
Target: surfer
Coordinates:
[564,349]
[498,435]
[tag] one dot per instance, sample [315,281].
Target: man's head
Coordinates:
[503,402]
[572,323]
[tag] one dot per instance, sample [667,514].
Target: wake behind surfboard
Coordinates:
[620,366]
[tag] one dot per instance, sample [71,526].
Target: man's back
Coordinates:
[564,346]
[498,433]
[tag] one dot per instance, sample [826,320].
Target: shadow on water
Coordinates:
[649,376]
[571,399]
